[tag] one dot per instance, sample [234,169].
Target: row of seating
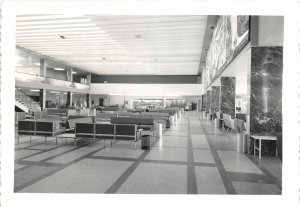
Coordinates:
[107,131]
[39,127]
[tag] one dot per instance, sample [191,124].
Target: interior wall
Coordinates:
[238,69]
[145,79]
[270,30]
[120,99]
[60,75]
[145,89]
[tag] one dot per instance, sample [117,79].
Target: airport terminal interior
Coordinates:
[148,104]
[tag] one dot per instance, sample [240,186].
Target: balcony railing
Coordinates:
[36,81]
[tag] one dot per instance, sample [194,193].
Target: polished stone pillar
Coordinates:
[215,98]
[43,99]
[208,101]
[227,103]
[88,99]
[69,99]
[266,95]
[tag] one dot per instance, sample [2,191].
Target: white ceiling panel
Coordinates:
[112,44]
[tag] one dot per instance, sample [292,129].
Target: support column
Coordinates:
[43,68]
[88,98]
[69,99]
[89,78]
[164,102]
[70,75]
[43,99]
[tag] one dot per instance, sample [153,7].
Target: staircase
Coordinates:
[25,102]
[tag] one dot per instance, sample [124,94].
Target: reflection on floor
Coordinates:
[192,157]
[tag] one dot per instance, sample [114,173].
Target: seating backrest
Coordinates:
[155,113]
[107,129]
[45,126]
[126,129]
[146,121]
[26,125]
[84,128]
[124,120]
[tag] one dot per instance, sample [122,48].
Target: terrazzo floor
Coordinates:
[192,157]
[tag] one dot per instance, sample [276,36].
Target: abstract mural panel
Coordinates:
[266,94]
[231,32]
[228,95]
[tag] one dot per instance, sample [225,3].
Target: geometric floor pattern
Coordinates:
[192,157]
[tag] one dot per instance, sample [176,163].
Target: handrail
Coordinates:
[27,99]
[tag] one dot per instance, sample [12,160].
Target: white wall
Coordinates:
[239,68]
[119,99]
[147,89]
[270,30]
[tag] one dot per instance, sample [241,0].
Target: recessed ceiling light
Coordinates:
[74,72]
[54,92]
[34,90]
[58,69]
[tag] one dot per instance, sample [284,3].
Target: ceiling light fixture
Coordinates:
[60,69]
[54,92]
[73,72]
[35,90]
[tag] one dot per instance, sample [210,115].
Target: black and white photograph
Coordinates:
[149,105]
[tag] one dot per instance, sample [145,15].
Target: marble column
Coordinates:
[42,99]
[204,102]
[266,95]
[215,98]
[227,103]
[207,101]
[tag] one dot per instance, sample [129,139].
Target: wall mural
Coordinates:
[266,94]
[230,33]
[215,98]
[228,95]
